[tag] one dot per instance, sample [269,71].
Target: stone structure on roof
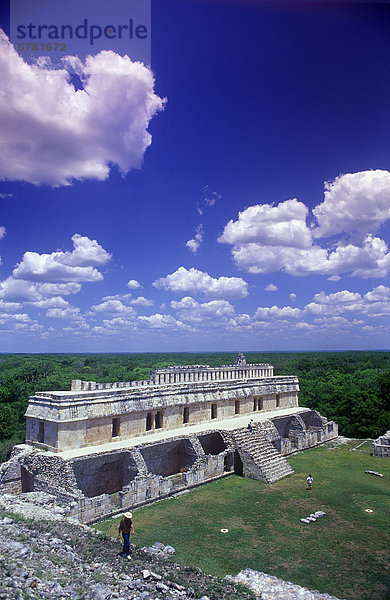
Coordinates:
[103,448]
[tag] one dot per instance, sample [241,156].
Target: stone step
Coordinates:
[270,463]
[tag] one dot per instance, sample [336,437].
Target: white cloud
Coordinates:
[193,244]
[141,301]
[337,303]
[2,232]
[371,259]
[54,302]
[9,307]
[210,197]
[268,238]
[28,291]
[293,297]
[72,313]
[158,321]
[125,298]
[133,284]
[268,225]
[193,281]
[271,287]
[375,303]
[6,195]
[214,311]
[354,202]
[59,266]
[114,307]
[53,134]
[274,312]
[120,303]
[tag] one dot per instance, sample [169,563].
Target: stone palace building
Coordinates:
[101,448]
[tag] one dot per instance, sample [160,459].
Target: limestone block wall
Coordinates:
[62,420]
[104,473]
[11,478]
[168,458]
[381,446]
[42,430]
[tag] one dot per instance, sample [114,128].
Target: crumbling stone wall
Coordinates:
[381,446]
[99,484]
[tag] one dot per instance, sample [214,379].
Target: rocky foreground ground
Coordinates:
[45,556]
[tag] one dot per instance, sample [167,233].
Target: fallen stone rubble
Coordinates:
[314,516]
[374,473]
[44,556]
[268,587]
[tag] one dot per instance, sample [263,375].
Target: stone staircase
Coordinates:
[260,458]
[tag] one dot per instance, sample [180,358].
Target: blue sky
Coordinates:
[235,196]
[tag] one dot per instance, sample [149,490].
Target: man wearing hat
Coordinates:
[125,527]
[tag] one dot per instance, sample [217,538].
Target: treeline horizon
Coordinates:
[351,388]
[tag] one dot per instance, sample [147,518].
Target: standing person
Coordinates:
[125,527]
[309,482]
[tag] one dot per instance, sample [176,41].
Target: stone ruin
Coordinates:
[381,446]
[104,448]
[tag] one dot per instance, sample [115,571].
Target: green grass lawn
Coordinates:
[346,553]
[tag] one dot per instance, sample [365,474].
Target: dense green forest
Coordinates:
[351,388]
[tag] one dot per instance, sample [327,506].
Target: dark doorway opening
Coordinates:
[186,414]
[236,407]
[158,420]
[41,432]
[27,480]
[213,411]
[238,466]
[115,427]
[148,421]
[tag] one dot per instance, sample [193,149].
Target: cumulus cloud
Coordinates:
[268,225]
[193,281]
[141,301]
[2,232]
[133,284]
[375,303]
[370,259]
[195,312]
[274,312]
[72,313]
[354,202]
[293,297]
[267,238]
[158,321]
[52,133]
[128,299]
[271,287]
[78,265]
[28,291]
[113,307]
[195,242]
